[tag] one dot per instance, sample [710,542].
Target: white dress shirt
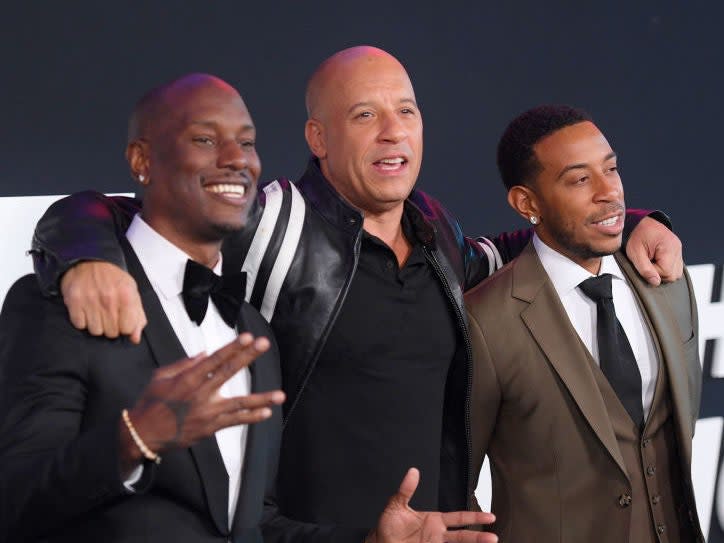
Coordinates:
[164,265]
[566,275]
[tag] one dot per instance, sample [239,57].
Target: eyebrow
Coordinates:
[565,170]
[214,124]
[366,104]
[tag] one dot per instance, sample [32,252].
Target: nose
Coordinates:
[392,130]
[232,156]
[608,187]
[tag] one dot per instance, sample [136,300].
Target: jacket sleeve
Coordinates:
[56,469]
[485,255]
[83,226]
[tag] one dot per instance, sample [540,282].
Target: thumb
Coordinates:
[408,486]
[642,262]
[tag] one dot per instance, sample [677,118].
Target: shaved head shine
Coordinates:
[334,71]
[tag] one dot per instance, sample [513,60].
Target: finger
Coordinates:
[135,335]
[669,264]
[224,364]
[242,417]
[131,318]
[109,318]
[172,370]
[640,258]
[469,536]
[93,320]
[466,518]
[76,315]
[408,485]
[249,402]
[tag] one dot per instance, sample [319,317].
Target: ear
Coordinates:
[137,155]
[524,201]
[315,136]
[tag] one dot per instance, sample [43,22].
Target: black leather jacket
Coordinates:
[300,261]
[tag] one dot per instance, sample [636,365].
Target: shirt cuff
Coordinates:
[133,478]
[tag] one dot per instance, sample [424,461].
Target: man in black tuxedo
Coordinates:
[105,440]
[87,421]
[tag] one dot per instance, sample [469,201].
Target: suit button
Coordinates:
[660,528]
[645,442]
[650,470]
[656,499]
[624,500]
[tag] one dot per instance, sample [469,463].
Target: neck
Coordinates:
[201,250]
[387,226]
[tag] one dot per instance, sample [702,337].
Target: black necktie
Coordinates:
[614,351]
[226,291]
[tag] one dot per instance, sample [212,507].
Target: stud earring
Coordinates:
[533,219]
[142,178]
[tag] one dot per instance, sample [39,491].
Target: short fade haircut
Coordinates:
[517,162]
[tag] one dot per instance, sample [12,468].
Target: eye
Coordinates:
[613,168]
[364,115]
[249,144]
[203,140]
[407,111]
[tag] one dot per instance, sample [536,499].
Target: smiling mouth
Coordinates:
[391,164]
[230,190]
[609,222]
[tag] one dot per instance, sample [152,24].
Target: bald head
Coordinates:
[161,103]
[365,128]
[331,74]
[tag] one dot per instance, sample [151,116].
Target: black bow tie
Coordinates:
[226,291]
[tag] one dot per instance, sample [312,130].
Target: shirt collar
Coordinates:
[565,274]
[163,262]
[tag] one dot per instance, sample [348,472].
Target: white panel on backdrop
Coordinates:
[18,216]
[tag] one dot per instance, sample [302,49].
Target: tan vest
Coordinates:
[658,510]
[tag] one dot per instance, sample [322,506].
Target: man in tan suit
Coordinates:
[588,434]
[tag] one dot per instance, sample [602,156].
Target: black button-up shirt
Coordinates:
[373,405]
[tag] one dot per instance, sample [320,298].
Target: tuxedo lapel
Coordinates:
[665,329]
[166,349]
[248,504]
[548,323]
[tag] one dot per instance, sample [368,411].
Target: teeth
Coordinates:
[398,160]
[226,188]
[609,222]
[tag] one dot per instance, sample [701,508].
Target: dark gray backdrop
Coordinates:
[649,72]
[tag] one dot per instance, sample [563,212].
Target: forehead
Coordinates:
[369,78]
[581,143]
[208,104]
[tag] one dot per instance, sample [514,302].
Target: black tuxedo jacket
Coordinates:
[61,395]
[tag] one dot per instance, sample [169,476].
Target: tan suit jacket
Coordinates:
[538,413]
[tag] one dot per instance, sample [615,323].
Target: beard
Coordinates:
[575,249]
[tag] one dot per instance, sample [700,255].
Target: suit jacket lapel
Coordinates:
[550,326]
[665,327]
[167,349]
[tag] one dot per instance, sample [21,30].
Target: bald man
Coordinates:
[361,278]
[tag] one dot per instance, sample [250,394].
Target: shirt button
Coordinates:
[661,528]
[645,442]
[624,500]
[656,499]
[389,264]
[650,470]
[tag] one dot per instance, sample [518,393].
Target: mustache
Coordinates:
[607,210]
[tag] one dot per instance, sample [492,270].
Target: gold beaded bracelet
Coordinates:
[147,453]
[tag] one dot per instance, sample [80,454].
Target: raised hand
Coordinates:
[655,252]
[181,404]
[399,523]
[103,298]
